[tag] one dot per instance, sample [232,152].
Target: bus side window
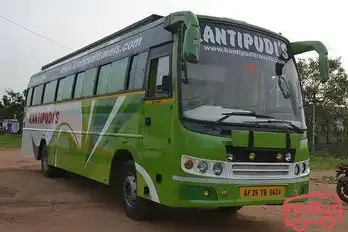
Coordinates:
[60,89]
[37,98]
[29,97]
[117,77]
[137,72]
[79,84]
[49,92]
[89,82]
[159,67]
[103,79]
[68,87]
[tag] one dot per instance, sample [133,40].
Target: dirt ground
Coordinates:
[29,202]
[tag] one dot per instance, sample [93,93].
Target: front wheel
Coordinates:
[135,207]
[342,190]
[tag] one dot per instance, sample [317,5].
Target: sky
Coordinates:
[76,23]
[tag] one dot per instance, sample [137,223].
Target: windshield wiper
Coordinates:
[293,126]
[250,113]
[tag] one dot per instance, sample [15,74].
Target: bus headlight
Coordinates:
[217,169]
[202,167]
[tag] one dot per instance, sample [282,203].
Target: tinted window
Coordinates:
[103,79]
[89,82]
[50,91]
[79,85]
[60,89]
[162,69]
[159,67]
[137,73]
[117,75]
[68,86]
[29,95]
[37,95]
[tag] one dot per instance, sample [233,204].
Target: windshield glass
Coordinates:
[241,70]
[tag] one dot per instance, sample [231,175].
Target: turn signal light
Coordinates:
[188,164]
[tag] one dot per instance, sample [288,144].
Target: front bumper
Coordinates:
[192,191]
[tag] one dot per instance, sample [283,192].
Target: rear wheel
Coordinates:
[47,169]
[135,207]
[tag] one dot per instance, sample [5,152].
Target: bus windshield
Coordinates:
[243,71]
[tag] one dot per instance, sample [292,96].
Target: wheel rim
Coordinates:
[344,191]
[129,190]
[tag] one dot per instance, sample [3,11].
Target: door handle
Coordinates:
[147,121]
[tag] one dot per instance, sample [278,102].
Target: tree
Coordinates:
[330,98]
[12,105]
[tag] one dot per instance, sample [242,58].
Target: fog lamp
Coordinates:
[252,156]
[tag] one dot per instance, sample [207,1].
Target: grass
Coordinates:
[324,162]
[10,141]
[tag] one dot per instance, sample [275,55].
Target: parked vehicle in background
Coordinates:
[342,182]
[184,110]
[10,126]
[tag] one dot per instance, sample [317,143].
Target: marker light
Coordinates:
[188,164]
[202,167]
[217,168]
[279,156]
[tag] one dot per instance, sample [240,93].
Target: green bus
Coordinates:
[184,110]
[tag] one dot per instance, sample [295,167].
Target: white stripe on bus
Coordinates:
[149,182]
[114,111]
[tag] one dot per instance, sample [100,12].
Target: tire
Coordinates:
[135,207]
[47,169]
[232,209]
[342,190]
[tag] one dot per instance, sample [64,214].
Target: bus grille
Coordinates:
[258,170]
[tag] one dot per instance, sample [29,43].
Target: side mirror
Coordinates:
[319,47]
[167,83]
[191,47]
[192,36]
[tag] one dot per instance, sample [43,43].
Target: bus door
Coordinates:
[158,105]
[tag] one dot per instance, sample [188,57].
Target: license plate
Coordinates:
[261,192]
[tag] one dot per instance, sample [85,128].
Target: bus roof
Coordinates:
[136,25]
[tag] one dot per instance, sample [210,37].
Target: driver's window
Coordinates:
[159,67]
